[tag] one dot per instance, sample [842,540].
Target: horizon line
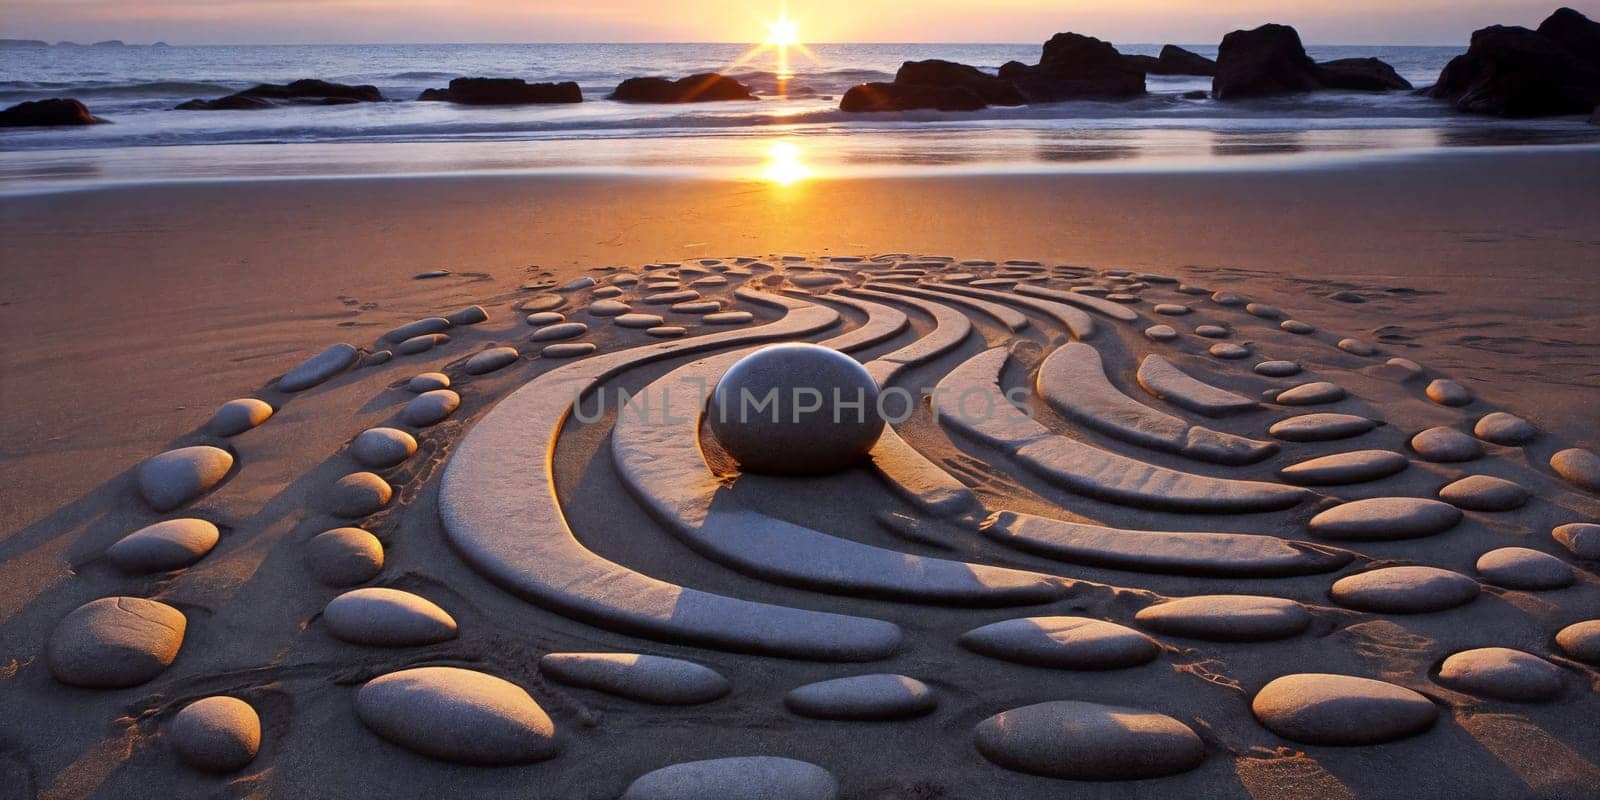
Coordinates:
[681,43]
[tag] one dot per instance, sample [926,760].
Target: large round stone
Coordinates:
[359,494]
[344,556]
[237,416]
[1089,742]
[177,476]
[646,679]
[1404,590]
[1581,640]
[1062,643]
[1226,617]
[164,546]
[1524,568]
[115,642]
[1502,673]
[382,447]
[739,778]
[862,698]
[216,734]
[387,618]
[796,409]
[457,715]
[1315,708]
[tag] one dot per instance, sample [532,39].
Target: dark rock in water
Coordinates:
[23,43]
[935,72]
[1076,67]
[1361,75]
[1262,62]
[700,88]
[1510,71]
[504,92]
[110,43]
[302,92]
[1175,60]
[879,96]
[40,113]
[933,84]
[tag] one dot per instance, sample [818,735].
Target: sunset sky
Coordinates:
[1132,21]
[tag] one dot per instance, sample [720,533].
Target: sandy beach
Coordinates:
[132,313]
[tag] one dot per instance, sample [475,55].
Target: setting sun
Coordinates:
[783,33]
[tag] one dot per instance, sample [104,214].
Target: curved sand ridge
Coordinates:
[521,540]
[1084,468]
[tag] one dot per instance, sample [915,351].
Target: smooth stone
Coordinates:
[421,344]
[669,298]
[710,280]
[1320,427]
[471,315]
[1341,710]
[1171,309]
[568,350]
[646,679]
[430,408]
[1228,299]
[697,307]
[560,330]
[428,381]
[1121,297]
[1385,518]
[728,318]
[319,368]
[739,778]
[237,416]
[862,698]
[1062,643]
[540,319]
[1357,347]
[488,361]
[1581,640]
[1161,333]
[1407,368]
[377,357]
[1089,742]
[1501,673]
[429,274]
[382,447]
[609,308]
[1211,331]
[421,327]
[1263,310]
[1277,369]
[1339,469]
[1579,467]
[639,321]
[344,556]
[1443,444]
[1230,351]
[176,477]
[1498,427]
[1226,618]
[577,283]
[115,642]
[387,618]
[457,715]
[1311,394]
[1447,392]
[792,438]
[1484,493]
[666,331]
[606,292]
[1524,568]
[359,494]
[1297,327]
[1404,590]
[540,302]
[216,734]
[164,546]
[1582,539]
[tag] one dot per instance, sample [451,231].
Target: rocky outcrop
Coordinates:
[40,113]
[701,88]
[933,84]
[503,92]
[302,92]
[1361,75]
[1175,60]
[1511,71]
[1076,67]
[1270,60]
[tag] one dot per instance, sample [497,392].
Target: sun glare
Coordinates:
[783,35]
[784,164]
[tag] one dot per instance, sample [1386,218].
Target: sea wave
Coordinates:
[30,90]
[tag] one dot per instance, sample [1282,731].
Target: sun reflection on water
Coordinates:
[785,164]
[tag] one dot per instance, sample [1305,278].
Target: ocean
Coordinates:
[136,87]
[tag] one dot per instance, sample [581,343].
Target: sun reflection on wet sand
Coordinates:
[785,164]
